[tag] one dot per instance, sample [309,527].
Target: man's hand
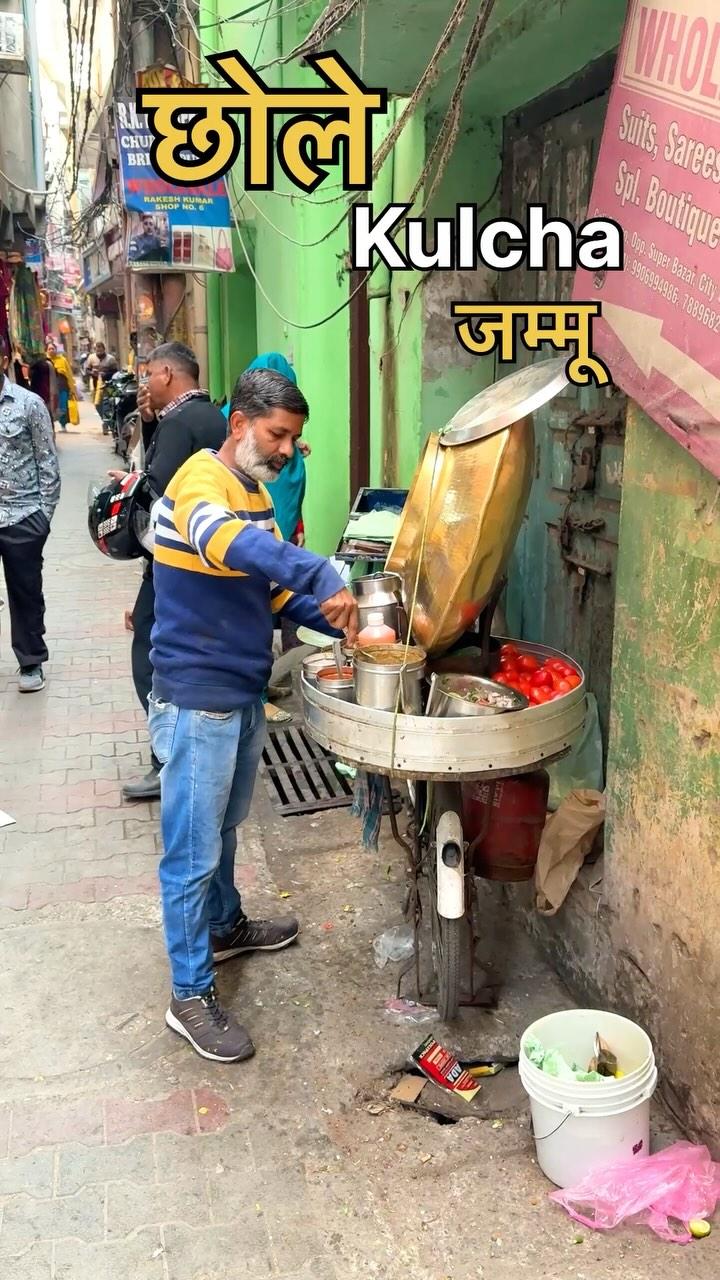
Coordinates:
[304,448]
[117,475]
[128,620]
[341,612]
[147,412]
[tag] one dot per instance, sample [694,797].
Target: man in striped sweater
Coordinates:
[221,572]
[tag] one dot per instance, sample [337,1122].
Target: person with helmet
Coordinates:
[183,420]
[222,573]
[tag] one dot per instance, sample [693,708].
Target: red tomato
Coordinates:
[553,664]
[528,662]
[538,696]
[541,679]
[574,680]
[508,649]
[501,678]
[563,686]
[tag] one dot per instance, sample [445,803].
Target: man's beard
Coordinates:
[253,463]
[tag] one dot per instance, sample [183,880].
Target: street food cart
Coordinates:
[454,743]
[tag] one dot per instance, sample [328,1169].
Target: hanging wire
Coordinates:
[448,130]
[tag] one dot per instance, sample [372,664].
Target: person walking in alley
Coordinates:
[184,421]
[67,406]
[29,494]
[222,571]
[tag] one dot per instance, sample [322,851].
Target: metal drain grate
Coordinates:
[299,774]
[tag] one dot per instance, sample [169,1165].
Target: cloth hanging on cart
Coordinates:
[368,802]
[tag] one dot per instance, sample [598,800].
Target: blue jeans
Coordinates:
[209,761]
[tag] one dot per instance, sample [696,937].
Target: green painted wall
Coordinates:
[287,241]
[663,838]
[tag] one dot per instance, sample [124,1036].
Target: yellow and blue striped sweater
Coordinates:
[221,571]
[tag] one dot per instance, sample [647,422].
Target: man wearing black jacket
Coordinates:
[182,420]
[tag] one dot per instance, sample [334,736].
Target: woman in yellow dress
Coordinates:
[66,396]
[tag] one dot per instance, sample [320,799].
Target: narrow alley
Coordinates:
[123,1153]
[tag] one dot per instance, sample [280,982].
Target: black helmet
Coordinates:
[119,517]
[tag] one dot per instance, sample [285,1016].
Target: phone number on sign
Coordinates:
[699,311]
[655,282]
[692,306]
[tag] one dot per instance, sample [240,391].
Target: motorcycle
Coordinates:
[118,410]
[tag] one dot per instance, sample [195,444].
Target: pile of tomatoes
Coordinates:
[539,681]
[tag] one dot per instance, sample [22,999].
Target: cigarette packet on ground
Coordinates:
[441,1066]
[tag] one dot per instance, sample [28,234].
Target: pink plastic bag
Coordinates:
[678,1184]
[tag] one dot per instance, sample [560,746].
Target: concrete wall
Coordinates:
[663,886]
[640,929]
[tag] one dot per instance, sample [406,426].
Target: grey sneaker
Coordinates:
[255,935]
[32,679]
[212,1031]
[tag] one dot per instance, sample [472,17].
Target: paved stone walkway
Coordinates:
[122,1154]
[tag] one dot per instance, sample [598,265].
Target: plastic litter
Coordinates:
[410,1011]
[553,1063]
[395,944]
[665,1192]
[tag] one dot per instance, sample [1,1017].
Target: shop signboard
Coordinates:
[170,228]
[658,176]
[33,253]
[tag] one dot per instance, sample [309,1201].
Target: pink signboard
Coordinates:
[658,176]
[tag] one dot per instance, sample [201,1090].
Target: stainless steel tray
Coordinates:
[465,748]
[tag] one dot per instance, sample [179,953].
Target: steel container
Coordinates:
[390,685]
[381,593]
[316,661]
[466,505]
[342,687]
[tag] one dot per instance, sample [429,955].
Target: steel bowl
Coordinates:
[449,697]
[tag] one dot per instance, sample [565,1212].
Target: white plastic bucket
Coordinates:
[579,1127]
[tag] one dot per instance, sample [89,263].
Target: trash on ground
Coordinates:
[443,1068]
[410,1011]
[479,1068]
[395,944]
[6,820]
[375,1108]
[675,1186]
[699,1229]
[408,1089]
[553,1063]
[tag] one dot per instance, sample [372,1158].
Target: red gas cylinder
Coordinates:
[503,821]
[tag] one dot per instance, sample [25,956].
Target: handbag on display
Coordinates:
[223,252]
